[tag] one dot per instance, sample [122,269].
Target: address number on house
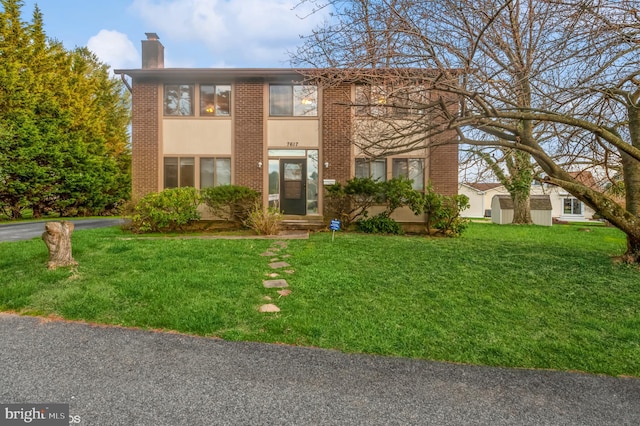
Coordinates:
[292,144]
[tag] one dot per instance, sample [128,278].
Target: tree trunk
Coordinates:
[521,209]
[57,237]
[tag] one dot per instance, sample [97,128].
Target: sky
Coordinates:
[195,33]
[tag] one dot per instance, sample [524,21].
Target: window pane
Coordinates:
[187,172]
[577,206]
[206,172]
[274,183]
[400,167]
[207,100]
[416,173]
[312,181]
[567,205]
[379,170]
[178,99]
[362,99]
[223,171]
[305,101]
[362,168]
[170,172]
[280,101]
[223,100]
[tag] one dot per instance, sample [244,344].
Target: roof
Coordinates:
[537,202]
[483,186]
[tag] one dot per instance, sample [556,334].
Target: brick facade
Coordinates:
[249,132]
[336,132]
[145,139]
[443,166]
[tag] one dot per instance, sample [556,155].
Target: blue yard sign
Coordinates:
[334,226]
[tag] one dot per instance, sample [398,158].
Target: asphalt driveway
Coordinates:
[118,376]
[28,230]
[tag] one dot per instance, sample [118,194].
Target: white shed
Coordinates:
[502,209]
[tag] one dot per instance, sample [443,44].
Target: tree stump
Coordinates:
[57,237]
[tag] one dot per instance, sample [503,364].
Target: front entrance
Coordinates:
[293,186]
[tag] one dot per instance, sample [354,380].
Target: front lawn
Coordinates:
[517,296]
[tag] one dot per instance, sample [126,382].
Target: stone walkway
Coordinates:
[277,254]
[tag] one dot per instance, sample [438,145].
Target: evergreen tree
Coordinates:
[63,124]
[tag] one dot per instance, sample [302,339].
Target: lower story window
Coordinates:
[374,169]
[181,171]
[572,206]
[412,168]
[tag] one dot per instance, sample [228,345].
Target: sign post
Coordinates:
[334,226]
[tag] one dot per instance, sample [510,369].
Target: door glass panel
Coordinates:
[274,183]
[292,171]
[312,181]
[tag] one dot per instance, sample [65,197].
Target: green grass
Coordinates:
[517,296]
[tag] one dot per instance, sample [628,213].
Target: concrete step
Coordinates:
[303,224]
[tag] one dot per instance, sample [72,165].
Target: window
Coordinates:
[181,171]
[178,99]
[293,101]
[412,168]
[215,172]
[374,169]
[215,100]
[390,101]
[572,206]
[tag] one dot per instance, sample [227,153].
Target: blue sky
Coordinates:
[195,33]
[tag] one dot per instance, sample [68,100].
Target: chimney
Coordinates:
[152,52]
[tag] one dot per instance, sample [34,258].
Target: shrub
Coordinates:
[380,224]
[264,222]
[351,201]
[440,211]
[170,209]
[230,202]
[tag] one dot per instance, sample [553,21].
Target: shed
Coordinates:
[502,209]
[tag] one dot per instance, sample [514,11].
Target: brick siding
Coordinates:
[145,129]
[336,132]
[249,133]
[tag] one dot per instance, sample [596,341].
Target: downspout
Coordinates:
[126,83]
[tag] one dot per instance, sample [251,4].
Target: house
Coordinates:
[267,129]
[564,206]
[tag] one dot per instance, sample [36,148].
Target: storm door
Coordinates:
[293,186]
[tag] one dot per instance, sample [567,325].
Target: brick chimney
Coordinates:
[152,52]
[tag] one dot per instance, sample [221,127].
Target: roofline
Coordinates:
[304,73]
[207,72]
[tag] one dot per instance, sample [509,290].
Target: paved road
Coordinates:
[116,376]
[28,230]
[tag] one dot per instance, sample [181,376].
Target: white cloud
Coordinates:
[115,49]
[231,31]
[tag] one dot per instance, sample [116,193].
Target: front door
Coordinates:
[293,186]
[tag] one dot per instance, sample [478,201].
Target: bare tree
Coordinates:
[556,80]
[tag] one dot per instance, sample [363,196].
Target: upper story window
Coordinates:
[215,100]
[287,100]
[178,99]
[181,100]
[390,101]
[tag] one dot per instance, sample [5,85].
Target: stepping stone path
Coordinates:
[276,263]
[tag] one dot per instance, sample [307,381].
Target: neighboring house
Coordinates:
[262,128]
[564,206]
